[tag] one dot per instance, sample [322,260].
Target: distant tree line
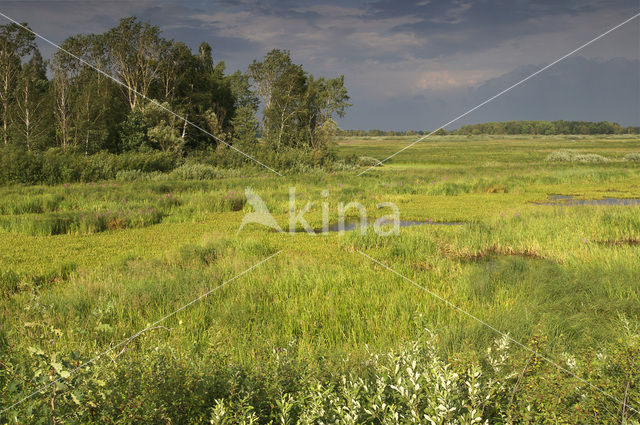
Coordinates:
[547,128]
[67,105]
[512,128]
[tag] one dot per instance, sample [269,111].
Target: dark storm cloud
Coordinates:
[458,26]
[575,89]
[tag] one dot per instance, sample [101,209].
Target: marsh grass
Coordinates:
[316,333]
[79,223]
[12,282]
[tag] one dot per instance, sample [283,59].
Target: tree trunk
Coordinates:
[5,107]
[4,121]
[281,131]
[27,118]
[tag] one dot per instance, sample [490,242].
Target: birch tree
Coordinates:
[29,100]
[15,44]
[135,51]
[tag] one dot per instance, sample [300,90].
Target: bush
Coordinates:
[414,383]
[138,175]
[569,156]
[195,172]
[632,157]
[368,161]
[56,166]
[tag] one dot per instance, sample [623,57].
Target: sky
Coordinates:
[407,64]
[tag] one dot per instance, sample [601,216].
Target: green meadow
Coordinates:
[320,333]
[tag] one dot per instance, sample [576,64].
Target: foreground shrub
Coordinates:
[412,385]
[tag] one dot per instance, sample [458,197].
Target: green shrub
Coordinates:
[138,175]
[195,172]
[130,175]
[632,157]
[414,383]
[368,161]
[56,166]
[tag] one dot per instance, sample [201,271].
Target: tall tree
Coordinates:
[206,55]
[15,44]
[81,95]
[176,67]
[244,121]
[134,50]
[30,96]
[324,99]
[279,83]
[296,105]
[65,69]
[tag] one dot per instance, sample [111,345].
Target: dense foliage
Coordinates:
[131,90]
[411,385]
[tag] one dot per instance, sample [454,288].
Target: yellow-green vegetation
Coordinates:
[320,333]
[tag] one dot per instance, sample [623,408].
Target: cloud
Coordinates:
[406,63]
[576,89]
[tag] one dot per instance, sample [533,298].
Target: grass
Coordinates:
[560,279]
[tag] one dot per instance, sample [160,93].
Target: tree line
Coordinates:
[275,106]
[547,128]
[558,127]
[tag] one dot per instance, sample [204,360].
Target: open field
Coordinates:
[85,266]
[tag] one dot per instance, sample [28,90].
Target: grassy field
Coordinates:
[85,266]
